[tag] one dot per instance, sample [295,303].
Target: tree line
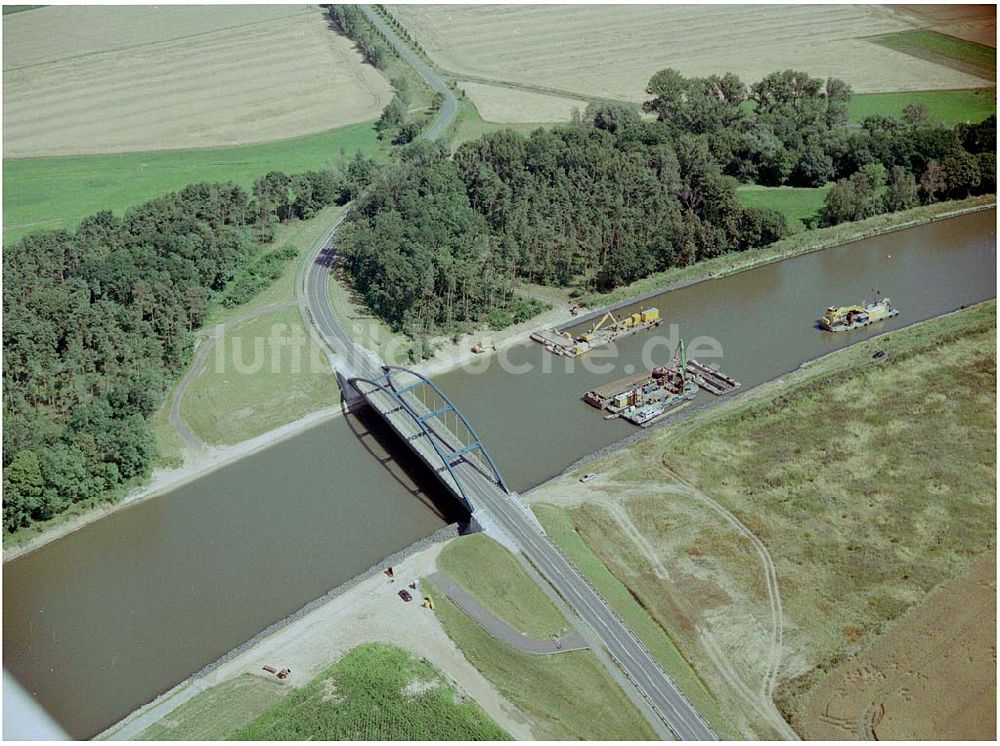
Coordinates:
[99,320]
[615,196]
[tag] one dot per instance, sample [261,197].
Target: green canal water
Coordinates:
[105,619]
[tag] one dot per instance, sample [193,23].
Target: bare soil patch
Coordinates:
[933,676]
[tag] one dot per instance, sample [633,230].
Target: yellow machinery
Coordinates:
[589,336]
[649,315]
[484,345]
[428,603]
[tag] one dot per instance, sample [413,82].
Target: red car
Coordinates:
[405,595]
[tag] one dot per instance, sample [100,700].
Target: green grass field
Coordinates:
[569,696]
[506,589]
[948,107]
[946,50]
[265,373]
[375,693]
[559,527]
[59,192]
[798,204]
[8,9]
[218,713]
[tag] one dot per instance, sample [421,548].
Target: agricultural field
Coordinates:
[109,79]
[53,193]
[517,106]
[934,673]
[376,692]
[611,52]
[975,23]
[799,204]
[772,542]
[965,56]
[947,107]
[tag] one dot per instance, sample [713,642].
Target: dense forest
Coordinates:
[99,320]
[615,195]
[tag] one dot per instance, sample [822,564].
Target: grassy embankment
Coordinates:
[568,695]
[799,243]
[376,692]
[225,406]
[41,193]
[951,51]
[216,714]
[870,483]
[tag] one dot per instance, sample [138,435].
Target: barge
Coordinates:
[604,331]
[646,397]
[846,318]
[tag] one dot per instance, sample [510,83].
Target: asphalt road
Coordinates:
[658,689]
[654,684]
[450,105]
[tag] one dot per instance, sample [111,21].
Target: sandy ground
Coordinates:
[612,51]
[500,104]
[81,79]
[732,631]
[933,676]
[369,612]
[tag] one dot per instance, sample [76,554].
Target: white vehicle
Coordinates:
[587,477]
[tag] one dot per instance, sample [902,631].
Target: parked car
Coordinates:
[587,477]
[405,595]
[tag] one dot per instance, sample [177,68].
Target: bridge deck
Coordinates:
[481,492]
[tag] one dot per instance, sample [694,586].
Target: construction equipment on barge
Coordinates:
[603,332]
[644,398]
[846,318]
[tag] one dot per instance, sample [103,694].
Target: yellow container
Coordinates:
[650,314]
[636,318]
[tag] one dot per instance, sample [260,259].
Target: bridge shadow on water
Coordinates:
[385,446]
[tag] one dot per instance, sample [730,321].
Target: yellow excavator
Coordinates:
[589,336]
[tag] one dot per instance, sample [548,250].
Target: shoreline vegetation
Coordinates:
[164,480]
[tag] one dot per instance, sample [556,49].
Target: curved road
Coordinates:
[654,684]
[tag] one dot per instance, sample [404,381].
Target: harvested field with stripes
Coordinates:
[110,79]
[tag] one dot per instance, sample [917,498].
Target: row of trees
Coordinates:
[97,321]
[962,163]
[351,22]
[614,196]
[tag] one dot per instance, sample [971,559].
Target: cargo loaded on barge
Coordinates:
[845,318]
[561,342]
[648,396]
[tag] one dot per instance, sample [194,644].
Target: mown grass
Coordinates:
[470,125]
[567,696]
[505,588]
[969,105]
[947,50]
[559,525]
[264,373]
[42,193]
[799,205]
[799,243]
[218,713]
[375,693]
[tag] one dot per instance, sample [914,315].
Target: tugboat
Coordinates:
[846,318]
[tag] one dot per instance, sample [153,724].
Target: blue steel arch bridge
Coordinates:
[434,428]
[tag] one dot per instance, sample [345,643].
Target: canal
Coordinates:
[105,619]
